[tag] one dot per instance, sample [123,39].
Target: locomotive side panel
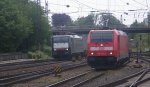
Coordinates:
[123,46]
[115,44]
[77,45]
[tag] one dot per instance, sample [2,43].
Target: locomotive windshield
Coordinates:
[60,39]
[101,36]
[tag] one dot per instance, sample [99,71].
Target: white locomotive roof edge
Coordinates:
[72,36]
[119,32]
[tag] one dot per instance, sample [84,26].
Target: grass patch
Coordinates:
[38,55]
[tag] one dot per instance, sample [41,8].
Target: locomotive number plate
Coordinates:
[100,48]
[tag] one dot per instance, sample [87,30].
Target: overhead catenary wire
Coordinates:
[140,3]
[85,6]
[127,3]
[60,4]
[76,1]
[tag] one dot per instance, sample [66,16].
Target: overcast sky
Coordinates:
[79,8]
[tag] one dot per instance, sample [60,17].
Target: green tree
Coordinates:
[41,29]
[23,26]
[99,20]
[136,36]
[110,21]
[85,21]
[61,20]
[14,26]
[135,24]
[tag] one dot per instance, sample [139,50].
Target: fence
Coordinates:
[12,56]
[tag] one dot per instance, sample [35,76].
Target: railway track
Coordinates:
[8,71]
[85,80]
[26,64]
[22,77]
[127,81]
[82,81]
[77,80]
[6,81]
[132,80]
[116,82]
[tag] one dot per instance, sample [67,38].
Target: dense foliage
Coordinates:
[85,21]
[141,40]
[111,21]
[99,20]
[61,20]
[23,26]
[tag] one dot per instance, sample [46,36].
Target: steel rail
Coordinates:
[139,78]
[28,76]
[67,80]
[122,80]
[25,62]
[32,75]
[142,81]
[26,65]
[142,73]
[87,80]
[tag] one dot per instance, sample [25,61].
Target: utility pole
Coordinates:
[38,2]
[38,26]
[140,44]
[148,17]
[148,42]
[46,8]
[137,52]
[121,19]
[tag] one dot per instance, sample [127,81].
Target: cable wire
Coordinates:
[76,1]
[140,3]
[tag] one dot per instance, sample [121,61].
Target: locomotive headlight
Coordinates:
[67,49]
[101,44]
[110,53]
[92,53]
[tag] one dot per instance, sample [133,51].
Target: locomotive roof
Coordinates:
[105,30]
[71,36]
[119,32]
[122,33]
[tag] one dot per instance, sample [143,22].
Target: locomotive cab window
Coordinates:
[101,36]
[60,39]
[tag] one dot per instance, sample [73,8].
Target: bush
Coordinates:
[47,50]
[37,55]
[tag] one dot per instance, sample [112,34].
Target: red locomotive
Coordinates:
[106,48]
